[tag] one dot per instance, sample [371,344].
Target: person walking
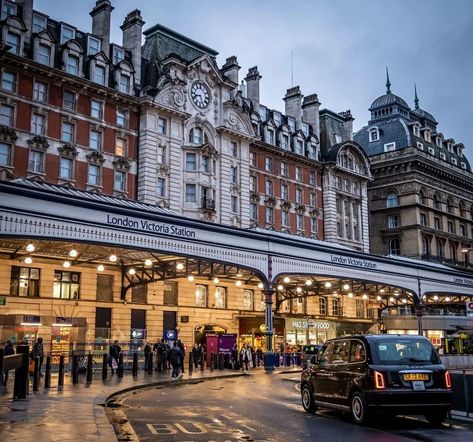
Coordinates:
[38,352]
[234,357]
[7,351]
[245,357]
[160,348]
[114,353]
[196,356]
[183,351]
[174,357]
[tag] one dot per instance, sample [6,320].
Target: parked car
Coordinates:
[394,374]
[308,351]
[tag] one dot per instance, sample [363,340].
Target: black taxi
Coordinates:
[395,374]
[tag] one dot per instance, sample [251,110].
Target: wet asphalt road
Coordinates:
[263,408]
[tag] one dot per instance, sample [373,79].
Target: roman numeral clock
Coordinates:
[200,94]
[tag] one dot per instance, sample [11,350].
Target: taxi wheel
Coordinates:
[436,418]
[359,409]
[308,399]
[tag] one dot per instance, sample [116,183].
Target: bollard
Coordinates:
[253,359]
[47,374]
[36,374]
[134,368]
[191,363]
[20,387]
[104,366]
[150,364]
[212,355]
[120,365]
[60,381]
[221,361]
[75,369]
[89,368]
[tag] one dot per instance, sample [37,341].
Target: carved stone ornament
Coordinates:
[300,208]
[172,98]
[314,213]
[164,170]
[286,205]
[163,203]
[200,119]
[235,188]
[234,121]
[95,157]
[208,150]
[270,201]
[38,142]
[254,197]
[407,188]
[7,134]
[238,100]
[68,150]
[121,163]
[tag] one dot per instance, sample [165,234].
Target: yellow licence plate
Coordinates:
[416,377]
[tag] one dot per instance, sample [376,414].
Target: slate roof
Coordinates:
[387,100]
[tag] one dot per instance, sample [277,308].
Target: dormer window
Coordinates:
[420,146]
[270,136]
[305,129]
[291,123]
[299,147]
[13,40]
[431,150]
[439,141]
[124,84]
[43,54]
[450,146]
[463,165]
[460,152]
[39,23]
[454,161]
[72,64]
[8,9]
[93,45]
[99,75]
[67,33]
[443,156]
[374,135]
[389,147]
[427,136]
[416,131]
[285,141]
[118,55]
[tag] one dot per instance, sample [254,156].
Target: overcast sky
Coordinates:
[340,47]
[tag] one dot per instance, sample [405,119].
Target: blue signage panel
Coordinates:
[138,333]
[170,335]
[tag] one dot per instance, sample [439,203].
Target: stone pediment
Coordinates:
[172,96]
[254,197]
[38,142]
[235,120]
[68,150]
[204,68]
[270,201]
[209,150]
[7,134]
[121,163]
[286,205]
[96,157]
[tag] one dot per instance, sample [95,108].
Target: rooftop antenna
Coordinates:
[388,83]
[292,68]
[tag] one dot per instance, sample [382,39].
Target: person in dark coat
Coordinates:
[160,349]
[234,358]
[147,351]
[7,351]
[38,352]
[115,351]
[175,357]
[183,350]
[196,356]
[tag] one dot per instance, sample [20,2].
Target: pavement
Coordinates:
[77,412]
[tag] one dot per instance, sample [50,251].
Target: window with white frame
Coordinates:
[67,132]
[162,126]
[347,185]
[220,297]
[248,299]
[269,215]
[38,124]
[93,46]
[6,115]
[373,135]
[96,109]
[253,181]
[205,164]
[285,141]
[313,199]
[322,306]
[234,204]
[312,178]
[118,55]
[8,9]
[252,159]
[389,147]
[119,181]
[196,135]
[298,173]
[269,188]
[40,92]
[191,161]
[93,175]
[65,168]
[253,211]
[284,169]
[67,33]
[268,164]
[120,147]
[40,23]
[98,74]
[122,117]
[124,84]
[454,161]
[299,147]
[393,221]
[43,54]
[5,154]
[270,136]
[8,81]
[95,141]
[36,161]
[160,187]
[285,218]
[299,196]
[391,200]
[313,225]
[427,136]
[191,196]
[420,146]
[13,40]
[284,191]
[69,100]
[201,295]
[463,165]
[72,64]
[394,247]
[335,307]
[234,149]
[300,221]
[234,174]
[161,154]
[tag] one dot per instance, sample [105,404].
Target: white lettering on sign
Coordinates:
[149,226]
[355,262]
[310,323]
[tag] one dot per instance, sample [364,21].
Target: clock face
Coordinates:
[200,94]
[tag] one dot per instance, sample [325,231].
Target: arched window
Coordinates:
[462,209]
[425,247]
[440,252]
[449,206]
[437,202]
[423,198]
[394,246]
[453,252]
[197,136]
[391,200]
[335,307]
[322,306]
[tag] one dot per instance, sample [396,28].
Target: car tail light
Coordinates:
[448,380]
[379,380]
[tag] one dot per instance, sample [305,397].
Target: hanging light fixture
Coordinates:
[73,253]
[378,298]
[365,296]
[328,285]
[261,286]
[216,280]
[66,264]
[396,293]
[28,260]
[346,286]
[436,298]
[381,291]
[287,279]
[298,289]
[350,295]
[179,266]
[308,282]
[190,278]
[113,258]
[30,248]
[239,275]
[100,268]
[447,299]
[148,263]
[334,294]
[404,300]
[391,299]
[132,271]
[280,287]
[238,283]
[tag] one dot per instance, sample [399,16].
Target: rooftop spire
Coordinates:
[388,83]
[416,98]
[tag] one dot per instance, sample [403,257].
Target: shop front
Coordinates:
[253,332]
[300,331]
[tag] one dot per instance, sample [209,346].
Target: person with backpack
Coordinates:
[114,353]
[174,357]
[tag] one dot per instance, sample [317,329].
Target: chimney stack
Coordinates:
[310,112]
[293,100]
[132,30]
[252,86]
[231,68]
[27,7]
[347,125]
[101,17]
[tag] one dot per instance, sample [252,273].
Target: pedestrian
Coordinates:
[159,348]
[196,356]
[245,357]
[234,357]
[183,351]
[7,351]
[38,352]
[259,356]
[174,357]
[114,353]
[147,351]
